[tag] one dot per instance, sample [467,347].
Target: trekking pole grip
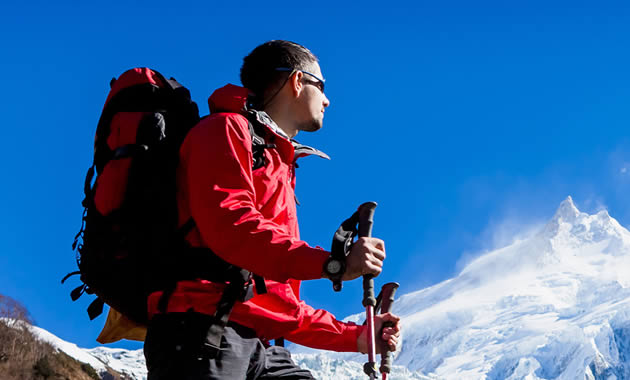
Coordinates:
[366,218]
[388,291]
[366,221]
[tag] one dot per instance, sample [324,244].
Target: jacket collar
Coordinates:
[231,98]
[263,118]
[300,150]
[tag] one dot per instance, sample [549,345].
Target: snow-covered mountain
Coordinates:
[555,305]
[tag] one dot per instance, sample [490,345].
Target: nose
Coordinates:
[326,101]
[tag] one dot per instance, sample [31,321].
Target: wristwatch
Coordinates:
[334,268]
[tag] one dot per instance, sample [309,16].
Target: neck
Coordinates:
[282,117]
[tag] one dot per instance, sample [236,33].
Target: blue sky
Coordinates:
[466,122]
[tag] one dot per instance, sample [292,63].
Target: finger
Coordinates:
[393,339]
[372,269]
[391,331]
[376,262]
[372,246]
[376,252]
[378,243]
[391,344]
[386,336]
[389,317]
[385,346]
[395,326]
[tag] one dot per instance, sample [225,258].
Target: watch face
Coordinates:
[333,266]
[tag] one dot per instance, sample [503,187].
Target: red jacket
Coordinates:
[248,218]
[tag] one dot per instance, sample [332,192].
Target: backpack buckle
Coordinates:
[247,291]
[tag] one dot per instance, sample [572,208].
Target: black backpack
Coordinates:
[130,244]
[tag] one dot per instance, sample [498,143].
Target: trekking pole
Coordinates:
[387,301]
[366,219]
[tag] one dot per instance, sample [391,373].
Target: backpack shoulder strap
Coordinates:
[259,144]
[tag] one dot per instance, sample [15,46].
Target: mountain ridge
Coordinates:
[504,308]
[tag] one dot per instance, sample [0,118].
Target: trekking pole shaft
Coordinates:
[366,220]
[370,367]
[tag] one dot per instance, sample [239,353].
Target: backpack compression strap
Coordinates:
[143,97]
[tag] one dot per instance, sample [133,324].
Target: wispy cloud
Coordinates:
[501,233]
[517,222]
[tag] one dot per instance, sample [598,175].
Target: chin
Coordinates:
[312,126]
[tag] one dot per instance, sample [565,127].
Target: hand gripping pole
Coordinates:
[386,299]
[366,220]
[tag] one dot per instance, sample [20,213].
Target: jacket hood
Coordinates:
[229,98]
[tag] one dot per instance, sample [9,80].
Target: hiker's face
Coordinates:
[311,101]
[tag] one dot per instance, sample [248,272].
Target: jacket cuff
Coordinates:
[309,263]
[351,336]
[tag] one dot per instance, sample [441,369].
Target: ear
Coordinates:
[296,83]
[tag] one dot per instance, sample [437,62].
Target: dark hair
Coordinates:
[258,72]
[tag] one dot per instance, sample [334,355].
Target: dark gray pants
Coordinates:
[174,350]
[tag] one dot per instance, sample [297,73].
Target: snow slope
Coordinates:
[129,362]
[69,348]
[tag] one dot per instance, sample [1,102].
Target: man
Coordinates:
[245,214]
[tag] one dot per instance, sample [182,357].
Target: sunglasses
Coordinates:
[319,83]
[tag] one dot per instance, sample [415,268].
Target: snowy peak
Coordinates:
[570,228]
[569,233]
[567,211]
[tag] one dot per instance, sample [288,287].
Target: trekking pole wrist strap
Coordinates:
[343,239]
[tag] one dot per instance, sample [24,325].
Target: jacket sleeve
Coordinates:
[217,162]
[319,329]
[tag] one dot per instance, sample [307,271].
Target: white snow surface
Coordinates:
[326,367]
[555,305]
[129,362]
[70,349]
